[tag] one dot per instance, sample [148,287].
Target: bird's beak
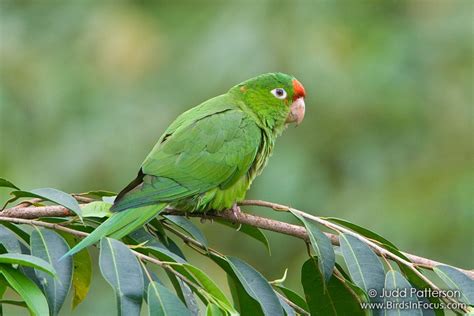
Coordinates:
[296,111]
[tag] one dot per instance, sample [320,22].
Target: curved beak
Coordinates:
[296,111]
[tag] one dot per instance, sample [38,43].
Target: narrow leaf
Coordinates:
[361,230]
[245,303]
[213,310]
[293,297]
[154,246]
[28,271]
[4,183]
[419,283]
[52,195]
[27,289]
[364,266]
[18,231]
[15,303]
[82,273]
[119,225]
[321,245]
[82,276]
[336,299]
[256,286]
[456,280]
[27,260]
[96,209]
[98,193]
[397,284]
[185,293]
[162,302]
[3,288]
[211,288]
[49,246]
[121,270]
[189,227]
[9,240]
[289,311]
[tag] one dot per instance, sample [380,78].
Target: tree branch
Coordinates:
[23,215]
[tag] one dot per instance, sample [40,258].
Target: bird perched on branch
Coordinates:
[209,156]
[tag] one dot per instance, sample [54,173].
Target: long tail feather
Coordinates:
[119,225]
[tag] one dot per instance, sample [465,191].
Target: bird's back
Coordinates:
[204,160]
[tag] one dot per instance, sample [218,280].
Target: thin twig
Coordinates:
[34,212]
[78,233]
[191,241]
[382,251]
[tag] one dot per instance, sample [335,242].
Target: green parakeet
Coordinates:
[209,156]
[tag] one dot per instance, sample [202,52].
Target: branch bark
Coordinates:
[22,215]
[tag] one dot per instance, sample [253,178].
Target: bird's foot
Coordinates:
[235,213]
[204,218]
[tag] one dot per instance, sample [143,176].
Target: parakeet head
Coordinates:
[275,98]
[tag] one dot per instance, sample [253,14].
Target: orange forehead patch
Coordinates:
[298,90]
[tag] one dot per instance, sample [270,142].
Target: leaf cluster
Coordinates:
[336,279]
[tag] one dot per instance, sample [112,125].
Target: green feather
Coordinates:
[119,225]
[206,159]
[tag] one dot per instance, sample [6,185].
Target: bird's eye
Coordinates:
[279,93]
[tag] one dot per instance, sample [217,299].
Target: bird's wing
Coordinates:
[201,154]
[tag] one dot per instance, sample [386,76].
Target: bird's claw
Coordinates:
[235,212]
[204,218]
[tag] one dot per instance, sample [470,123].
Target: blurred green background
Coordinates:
[88,87]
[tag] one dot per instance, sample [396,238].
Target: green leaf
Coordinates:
[120,225]
[18,231]
[27,260]
[456,280]
[27,289]
[185,294]
[336,299]
[98,193]
[293,297]
[147,280]
[49,246]
[121,270]
[3,286]
[396,283]
[256,286]
[162,302]
[189,227]
[82,277]
[251,231]
[3,289]
[12,302]
[419,283]
[82,273]
[52,195]
[28,271]
[245,304]
[321,245]
[155,247]
[364,266]
[96,209]
[4,183]
[211,288]
[9,240]
[361,230]
[371,235]
[289,311]
[213,310]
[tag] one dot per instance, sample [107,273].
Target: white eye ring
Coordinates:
[279,93]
